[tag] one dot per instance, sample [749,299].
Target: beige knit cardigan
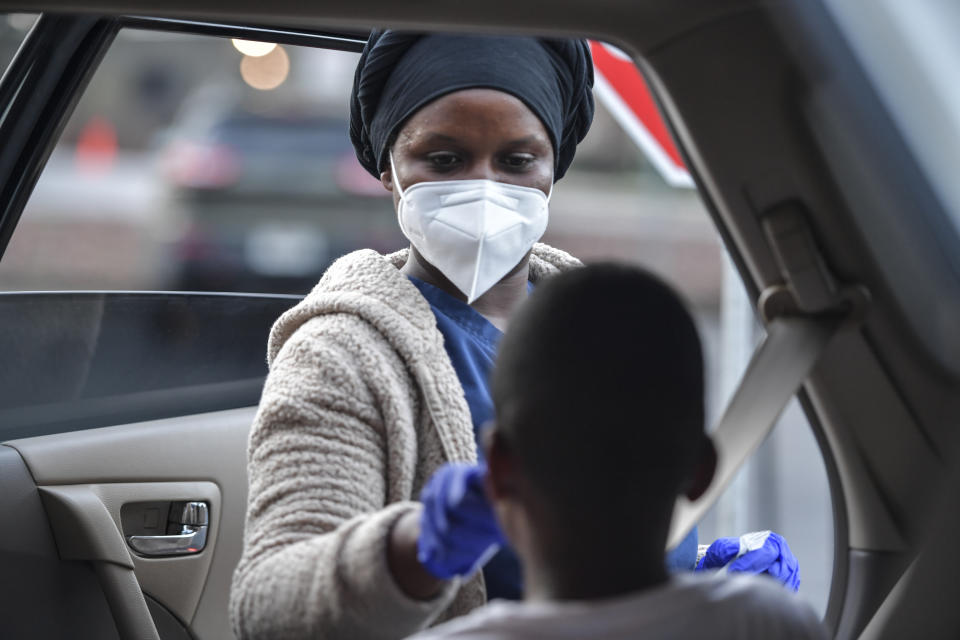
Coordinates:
[361,405]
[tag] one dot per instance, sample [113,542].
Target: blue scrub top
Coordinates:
[471,342]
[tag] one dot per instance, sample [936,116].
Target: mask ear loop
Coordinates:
[396,180]
[401,204]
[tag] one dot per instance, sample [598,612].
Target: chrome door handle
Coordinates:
[191,539]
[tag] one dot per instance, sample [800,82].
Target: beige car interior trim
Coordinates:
[869,522]
[127,604]
[194,457]
[882,618]
[923,602]
[83,527]
[175,582]
[84,530]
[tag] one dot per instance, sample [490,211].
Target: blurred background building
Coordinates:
[199,163]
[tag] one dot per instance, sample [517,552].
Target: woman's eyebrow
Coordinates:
[531,139]
[434,137]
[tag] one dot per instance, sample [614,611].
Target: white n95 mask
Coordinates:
[473,231]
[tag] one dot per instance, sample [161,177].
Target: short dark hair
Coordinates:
[598,390]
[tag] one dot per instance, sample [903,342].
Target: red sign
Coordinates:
[623,91]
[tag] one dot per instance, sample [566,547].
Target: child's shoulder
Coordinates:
[757,598]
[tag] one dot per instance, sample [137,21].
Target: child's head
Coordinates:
[598,391]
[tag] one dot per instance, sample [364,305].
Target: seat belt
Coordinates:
[803,314]
[779,367]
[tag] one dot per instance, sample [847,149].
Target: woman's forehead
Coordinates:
[474,112]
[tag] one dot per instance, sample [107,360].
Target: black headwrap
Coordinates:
[400,72]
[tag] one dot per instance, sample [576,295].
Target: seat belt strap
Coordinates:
[779,367]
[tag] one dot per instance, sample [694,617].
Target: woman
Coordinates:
[378,377]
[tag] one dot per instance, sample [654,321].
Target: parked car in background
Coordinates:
[265,199]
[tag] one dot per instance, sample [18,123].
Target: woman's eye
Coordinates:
[518,160]
[443,160]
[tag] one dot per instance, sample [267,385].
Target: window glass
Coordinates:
[197,163]
[85,359]
[13,29]
[189,165]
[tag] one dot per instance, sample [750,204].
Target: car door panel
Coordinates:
[85,517]
[173,372]
[86,477]
[63,598]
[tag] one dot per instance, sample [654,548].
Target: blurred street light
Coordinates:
[253,48]
[266,72]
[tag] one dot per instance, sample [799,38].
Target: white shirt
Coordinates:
[688,606]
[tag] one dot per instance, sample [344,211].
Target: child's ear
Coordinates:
[503,484]
[501,478]
[703,471]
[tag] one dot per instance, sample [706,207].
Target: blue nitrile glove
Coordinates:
[458,532]
[756,552]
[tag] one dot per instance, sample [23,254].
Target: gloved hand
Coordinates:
[756,552]
[458,531]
